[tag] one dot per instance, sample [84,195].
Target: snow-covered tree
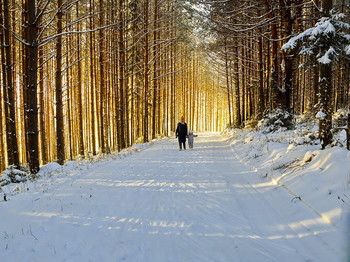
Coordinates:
[328,41]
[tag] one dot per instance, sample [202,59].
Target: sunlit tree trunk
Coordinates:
[92,86]
[155,87]
[145,72]
[42,101]
[237,103]
[122,83]
[228,88]
[81,146]
[103,92]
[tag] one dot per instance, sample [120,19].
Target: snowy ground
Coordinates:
[222,201]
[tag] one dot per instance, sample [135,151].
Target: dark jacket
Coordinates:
[181,131]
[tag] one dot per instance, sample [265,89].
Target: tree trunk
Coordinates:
[10,107]
[228,85]
[155,71]
[260,99]
[3,72]
[286,22]
[121,77]
[325,89]
[102,101]
[274,82]
[145,73]
[31,70]
[92,85]
[237,104]
[60,143]
[81,147]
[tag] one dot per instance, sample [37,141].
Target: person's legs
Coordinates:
[182,142]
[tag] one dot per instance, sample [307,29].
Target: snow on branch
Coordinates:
[327,57]
[48,39]
[326,38]
[292,43]
[347,50]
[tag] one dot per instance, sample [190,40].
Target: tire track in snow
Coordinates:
[227,171]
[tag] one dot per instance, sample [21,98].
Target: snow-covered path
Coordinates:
[161,204]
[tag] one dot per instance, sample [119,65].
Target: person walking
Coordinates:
[191,137]
[181,133]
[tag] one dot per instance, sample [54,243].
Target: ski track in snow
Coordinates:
[161,204]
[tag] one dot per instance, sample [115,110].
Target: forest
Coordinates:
[86,77]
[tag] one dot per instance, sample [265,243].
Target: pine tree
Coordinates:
[328,41]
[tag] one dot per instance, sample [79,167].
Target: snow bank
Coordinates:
[293,159]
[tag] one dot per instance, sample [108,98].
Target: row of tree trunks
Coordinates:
[97,77]
[271,78]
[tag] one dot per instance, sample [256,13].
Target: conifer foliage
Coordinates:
[328,42]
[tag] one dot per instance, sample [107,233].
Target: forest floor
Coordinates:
[157,203]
